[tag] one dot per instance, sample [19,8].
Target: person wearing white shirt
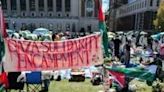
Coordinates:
[22,76]
[46,76]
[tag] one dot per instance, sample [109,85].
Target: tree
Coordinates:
[159,21]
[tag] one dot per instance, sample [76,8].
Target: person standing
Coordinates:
[46,76]
[127,53]
[117,43]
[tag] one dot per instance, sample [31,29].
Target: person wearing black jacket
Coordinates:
[117,43]
[127,53]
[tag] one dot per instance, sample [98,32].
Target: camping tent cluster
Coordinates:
[26,34]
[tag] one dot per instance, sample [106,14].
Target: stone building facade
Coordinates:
[56,15]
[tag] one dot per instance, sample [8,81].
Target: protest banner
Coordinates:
[23,55]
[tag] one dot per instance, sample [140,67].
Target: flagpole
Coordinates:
[2,23]
[102,28]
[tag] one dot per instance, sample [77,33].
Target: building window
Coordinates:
[33,14]
[50,15]
[59,15]
[41,5]
[151,2]
[67,27]
[137,6]
[82,8]
[41,14]
[13,4]
[50,5]
[158,2]
[58,5]
[67,5]
[23,14]
[73,27]
[32,5]
[67,15]
[142,4]
[145,3]
[89,28]
[4,4]
[89,8]
[23,5]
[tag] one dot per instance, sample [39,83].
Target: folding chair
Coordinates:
[33,81]
[13,84]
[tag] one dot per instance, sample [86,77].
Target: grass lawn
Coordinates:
[65,86]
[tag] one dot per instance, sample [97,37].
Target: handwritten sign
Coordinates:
[24,55]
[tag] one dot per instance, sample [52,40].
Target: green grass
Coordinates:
[66,86]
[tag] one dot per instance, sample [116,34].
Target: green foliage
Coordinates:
[159,21]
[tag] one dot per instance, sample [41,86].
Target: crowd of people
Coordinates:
[50,36]
[123,46]
[60,36]
[140,51]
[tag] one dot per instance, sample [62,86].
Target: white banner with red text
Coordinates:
[23,55]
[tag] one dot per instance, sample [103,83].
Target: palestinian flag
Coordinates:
[2,24]
[103,30]
[119,73]
[3,34]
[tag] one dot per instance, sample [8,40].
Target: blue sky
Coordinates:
[105,5]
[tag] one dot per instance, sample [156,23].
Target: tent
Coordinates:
[32,37]
[111,35]
[47,36]
[143,33]
[41,31]
[120,32]
[25,33]
[9,32]
[16,35]
[157,36]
